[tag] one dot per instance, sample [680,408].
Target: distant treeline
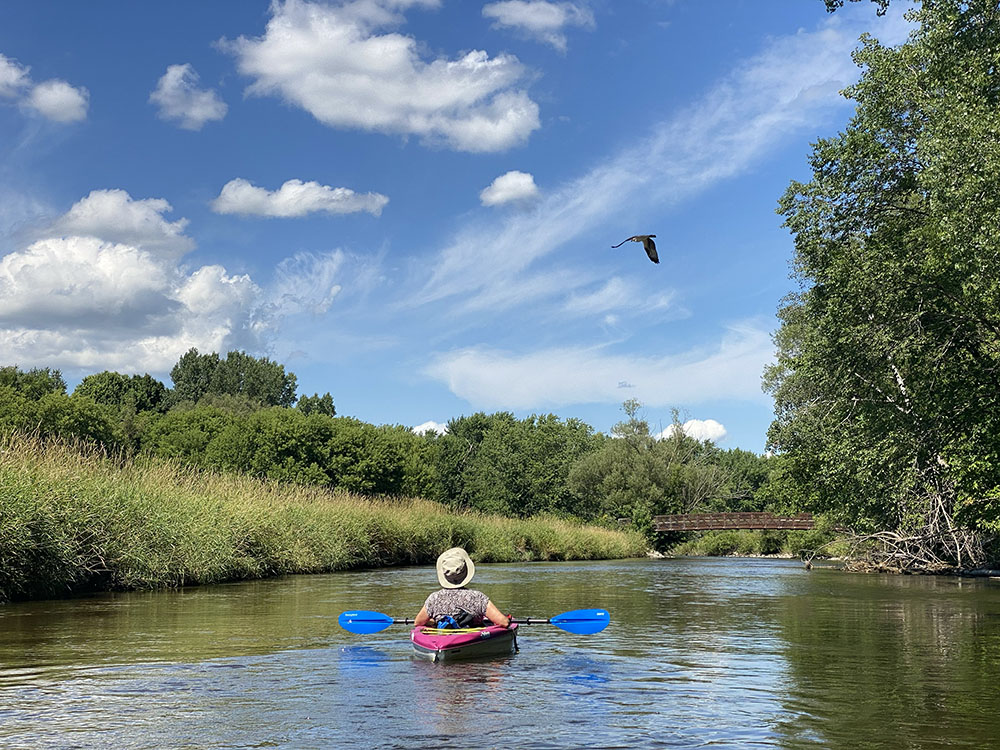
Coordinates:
[242,414]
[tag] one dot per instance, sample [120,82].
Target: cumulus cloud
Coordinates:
[294,198]
[336,63]
[430,426]
[103,288]
[491,379]
[54,99]
[115,217]
[539,19]
[510,187]
[699,429]
[13,77]
[179,98]
[59,101]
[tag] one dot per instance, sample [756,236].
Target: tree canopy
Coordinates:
[886,384]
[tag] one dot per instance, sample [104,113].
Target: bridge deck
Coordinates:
[713,521]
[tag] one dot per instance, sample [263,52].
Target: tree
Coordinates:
[887,382]
[635,476]
[137,393]
[317,404]
[239,374]
[34,383]
[186,433]
[277,443]
[832,5]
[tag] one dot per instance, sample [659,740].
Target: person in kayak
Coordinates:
[455,603]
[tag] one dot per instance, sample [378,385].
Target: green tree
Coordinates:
[887,385]
[33,383]
[137,392]
[239,374]
[277,443]
[317,404]
[633,475]
[186,433]
[76,417]
[363,458]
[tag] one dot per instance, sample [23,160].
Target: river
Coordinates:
[720,653]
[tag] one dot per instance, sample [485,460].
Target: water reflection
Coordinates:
[720,653]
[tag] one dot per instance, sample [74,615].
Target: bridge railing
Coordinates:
[717,521]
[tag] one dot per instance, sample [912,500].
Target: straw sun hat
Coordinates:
[455,568]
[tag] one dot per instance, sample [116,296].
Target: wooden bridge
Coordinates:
[712,521]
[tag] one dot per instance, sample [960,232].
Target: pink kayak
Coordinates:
[464,643]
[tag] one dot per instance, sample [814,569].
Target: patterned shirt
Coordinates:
[453,601]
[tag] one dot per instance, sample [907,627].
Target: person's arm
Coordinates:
[422,619]
[496,616]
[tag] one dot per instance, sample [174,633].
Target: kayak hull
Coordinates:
[469,643]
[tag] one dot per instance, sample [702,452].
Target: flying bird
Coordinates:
[647,243]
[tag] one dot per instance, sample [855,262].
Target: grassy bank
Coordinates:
[758,543]
[73,519]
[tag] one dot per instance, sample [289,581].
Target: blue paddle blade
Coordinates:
[363,622]
[582,621]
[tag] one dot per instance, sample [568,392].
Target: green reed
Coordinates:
[75,519]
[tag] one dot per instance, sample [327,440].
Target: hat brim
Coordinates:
[470,569]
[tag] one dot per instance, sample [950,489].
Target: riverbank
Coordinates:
[759,543]
[75,519]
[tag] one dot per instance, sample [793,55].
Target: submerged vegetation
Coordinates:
[76,518]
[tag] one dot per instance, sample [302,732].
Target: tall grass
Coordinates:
[73,519]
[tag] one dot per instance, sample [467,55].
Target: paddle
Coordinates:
[578,621]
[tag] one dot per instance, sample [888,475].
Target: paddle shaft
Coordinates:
[579,621]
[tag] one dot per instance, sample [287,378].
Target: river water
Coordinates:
[720,653]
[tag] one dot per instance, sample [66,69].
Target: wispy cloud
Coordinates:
[334,62]
[494,379]
[791,85]
[294,198]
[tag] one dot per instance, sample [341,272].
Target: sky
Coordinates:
[411,204]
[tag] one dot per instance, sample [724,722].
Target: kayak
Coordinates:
[464,643]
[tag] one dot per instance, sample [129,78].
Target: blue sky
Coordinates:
[411,203]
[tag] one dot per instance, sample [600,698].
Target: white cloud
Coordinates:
[490,379]
[790,86]
[429,426]
[114,216]
[539,19]
[512,186]
[615,294]
[331,61]
[699,429]
[13,77]
[59,101]
[308,282]
[179,98]
[294,198]
[103,288]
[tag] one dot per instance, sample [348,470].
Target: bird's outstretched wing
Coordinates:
[651,250]
[622,242]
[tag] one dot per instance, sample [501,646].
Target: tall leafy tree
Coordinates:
[239,374]
[316,404]
[887,388]
[33,383]
[137,392]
